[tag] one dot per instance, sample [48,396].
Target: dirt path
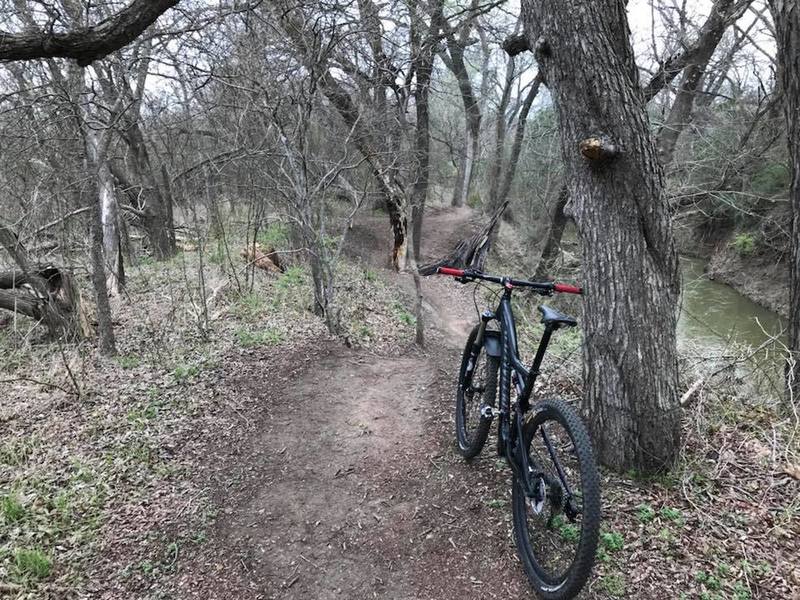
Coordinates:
[348,487]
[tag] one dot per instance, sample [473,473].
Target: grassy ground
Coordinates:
[105,464]
[91,457]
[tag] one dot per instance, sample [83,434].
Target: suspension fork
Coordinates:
[486,316]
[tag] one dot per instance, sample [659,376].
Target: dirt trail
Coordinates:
[349,487]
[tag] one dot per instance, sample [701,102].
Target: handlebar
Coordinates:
[466,275]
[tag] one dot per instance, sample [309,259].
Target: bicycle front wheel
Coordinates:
[477,388]
[556,530]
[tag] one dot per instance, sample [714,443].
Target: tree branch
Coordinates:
[723,13]
[85,44]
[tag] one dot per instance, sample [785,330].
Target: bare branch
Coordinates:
[85,44]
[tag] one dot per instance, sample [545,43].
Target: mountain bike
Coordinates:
[555,498]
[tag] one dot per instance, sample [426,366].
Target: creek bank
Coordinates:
[761,278]
[759,275]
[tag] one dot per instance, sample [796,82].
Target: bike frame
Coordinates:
[513,371]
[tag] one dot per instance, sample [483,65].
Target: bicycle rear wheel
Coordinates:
[477,387]
[556,532]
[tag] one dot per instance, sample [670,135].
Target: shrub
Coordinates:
[744,244]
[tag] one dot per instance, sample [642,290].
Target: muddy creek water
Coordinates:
[716,320]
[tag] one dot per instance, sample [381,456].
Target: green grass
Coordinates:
[613,584]
[405,317]
[291,290]
[31,564]
[16,453]
[364,331]
[11,509]
[744,244]
[275,235]
[249,307]
[146,412]
[128,361]
[672,514]
[265,337]
[183,373]
[645,513]
[708,580]
[612,541]
[568,532]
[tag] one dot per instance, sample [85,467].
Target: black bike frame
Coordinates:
[523,379]
[509,428]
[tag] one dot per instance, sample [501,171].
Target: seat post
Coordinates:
[533,373]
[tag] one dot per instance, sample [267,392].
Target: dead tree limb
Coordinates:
[469,253]
[42,292]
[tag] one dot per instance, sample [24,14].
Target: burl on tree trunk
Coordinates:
[617,201]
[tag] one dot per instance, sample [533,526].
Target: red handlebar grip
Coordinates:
[449,271]
[567,288]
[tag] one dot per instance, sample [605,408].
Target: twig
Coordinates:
[689,394]
[36,381]
[69,370]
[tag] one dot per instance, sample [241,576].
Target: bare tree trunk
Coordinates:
[519,135]
[619,205]
[787,24]
[109,216]
[457,42]
[723,12]
[552,246]
[424,51]
[292,22]
[694,62]
[466,166]
[156,214]
[95,158]
[496,165]
[472,119]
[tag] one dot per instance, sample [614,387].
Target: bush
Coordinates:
[772,179]
[276,235]
[744,244]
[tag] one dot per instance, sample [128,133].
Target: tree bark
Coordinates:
[96,149]
[552,246]
[454,61]
[156,217]
[496,165]
[787,24]
[620,208]
[109,217]
[85,44]
[519,135]
[723,13]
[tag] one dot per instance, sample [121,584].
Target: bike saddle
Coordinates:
[551,315]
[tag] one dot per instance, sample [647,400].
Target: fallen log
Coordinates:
[45,293]
[469,253]
[268,261]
